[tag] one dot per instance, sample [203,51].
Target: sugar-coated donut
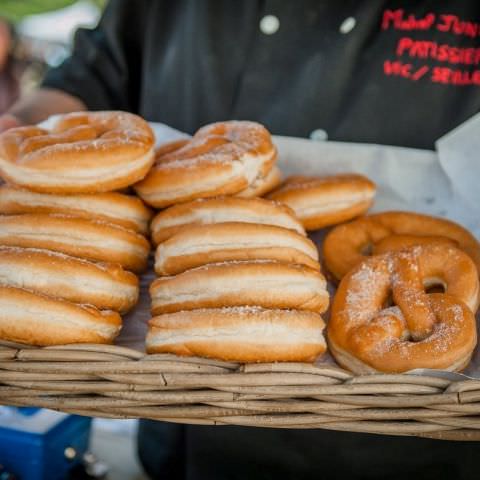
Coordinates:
[263,184]
[419,330]
[125,210]
[221,159]
[348,244]
[257,283]
[223,242]
[85,152]
[78,237]
[323,201]
[219,210]
[239,334]
[105,286]
[34,319]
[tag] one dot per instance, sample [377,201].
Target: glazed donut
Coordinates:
[420,330]
[221,210]
[124,210]
[78,237]
[34,319]
[105,286]
[258,283]
[223,242]
[262,185]
[221,159]
[239,334]
[85,152]
[347,245]
[394,243]
[323,201]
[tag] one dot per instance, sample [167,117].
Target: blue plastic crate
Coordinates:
[33,442]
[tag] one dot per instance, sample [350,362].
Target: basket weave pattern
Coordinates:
[117,382]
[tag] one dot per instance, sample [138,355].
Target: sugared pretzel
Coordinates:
[384,320]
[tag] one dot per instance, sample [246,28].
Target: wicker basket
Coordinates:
[117,382]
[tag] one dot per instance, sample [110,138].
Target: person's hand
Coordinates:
[8,121]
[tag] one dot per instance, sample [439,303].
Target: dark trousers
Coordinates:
[169,451]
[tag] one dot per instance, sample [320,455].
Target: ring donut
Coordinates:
[105,286]
[262,185]
[262,283]
[221,159]
[78,237]
[419,330]
[220,210]
[347,245]
[239,334]
[222,242]
[83,153]
[34,319]
[124,210]
[323,201]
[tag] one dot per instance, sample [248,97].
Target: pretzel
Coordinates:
[347,245]
[419,330]
[83,153]
[221,159]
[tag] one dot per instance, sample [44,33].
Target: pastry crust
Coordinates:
[124,210]
[221,159]
[223,242]
[263,184]
[105,286]
[239,334]
[262,283]
[347,245]
[324,201]
[34,319]
[85,152]
[220,210]
[78,237]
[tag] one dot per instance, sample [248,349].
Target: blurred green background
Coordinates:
[16,10]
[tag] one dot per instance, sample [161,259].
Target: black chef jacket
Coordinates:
[391,72]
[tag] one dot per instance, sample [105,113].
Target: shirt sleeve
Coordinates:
[104,67]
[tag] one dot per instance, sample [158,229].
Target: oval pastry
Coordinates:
[323,201]
[223,242]
[33,319]
[257,283]
[78,237]
[84,152]
[221,159]
[239,334]
[124,210]
[221,210]
[105,286]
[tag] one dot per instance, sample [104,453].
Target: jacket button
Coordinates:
[269,24]
[347,25]
[319,135]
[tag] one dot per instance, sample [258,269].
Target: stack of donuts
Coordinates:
[69,244]
[238,278]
